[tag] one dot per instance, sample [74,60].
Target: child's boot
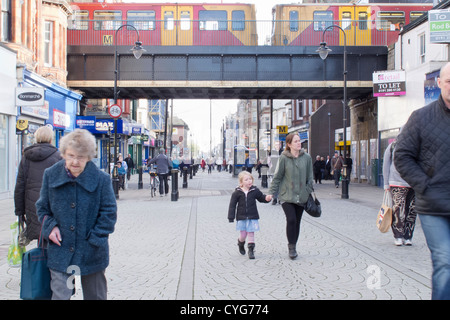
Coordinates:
[251,254]
[241,247]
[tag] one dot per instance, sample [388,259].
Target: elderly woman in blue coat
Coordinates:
[78,210]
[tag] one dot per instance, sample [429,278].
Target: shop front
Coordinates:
[8,113]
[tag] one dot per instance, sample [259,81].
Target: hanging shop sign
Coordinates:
[29,96]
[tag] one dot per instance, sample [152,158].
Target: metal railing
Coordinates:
[244,33]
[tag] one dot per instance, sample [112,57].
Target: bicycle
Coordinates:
[154,183]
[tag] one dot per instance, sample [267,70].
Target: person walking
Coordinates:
[243,208]
[78,211]
[293,181]
[36,158]
[328,168]
[318,167]
[403,209]
[130,166]
[162,169]
[336,166]
[421,157]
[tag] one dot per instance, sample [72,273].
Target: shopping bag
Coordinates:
[15,250]
[384,218]
[35,275]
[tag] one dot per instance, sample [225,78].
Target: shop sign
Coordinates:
[29,96]
[61,119]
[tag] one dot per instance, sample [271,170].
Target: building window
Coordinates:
[48,43]
[422,48]
[4,145]
[6,24]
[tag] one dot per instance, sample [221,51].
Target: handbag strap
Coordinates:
[41,240]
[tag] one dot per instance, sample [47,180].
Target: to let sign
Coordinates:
[439,21]
[389,83]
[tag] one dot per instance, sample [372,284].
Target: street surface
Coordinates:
[187,249]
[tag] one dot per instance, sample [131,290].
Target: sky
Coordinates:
[196,113]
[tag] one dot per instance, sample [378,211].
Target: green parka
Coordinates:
[293,178]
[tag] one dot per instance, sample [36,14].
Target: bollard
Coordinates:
[140,184]
[174,195]
[185,184]
[190,171]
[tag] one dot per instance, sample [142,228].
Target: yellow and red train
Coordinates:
[235,24]
[364,24]
[165,24]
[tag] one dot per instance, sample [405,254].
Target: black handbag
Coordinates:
[312,206]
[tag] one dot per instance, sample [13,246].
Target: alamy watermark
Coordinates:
[373,281]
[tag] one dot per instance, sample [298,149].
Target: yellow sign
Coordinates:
[22,125]
[108,40]
[282,129]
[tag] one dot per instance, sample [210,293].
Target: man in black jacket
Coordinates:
[422,158]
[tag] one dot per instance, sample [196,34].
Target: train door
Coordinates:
[176,25]
[354,21]
[362,26]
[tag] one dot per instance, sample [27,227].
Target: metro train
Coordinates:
[163,24]
[363,24]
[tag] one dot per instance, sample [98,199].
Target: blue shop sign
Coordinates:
[98,126]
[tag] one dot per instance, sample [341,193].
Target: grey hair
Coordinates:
[81,141]
[44,135]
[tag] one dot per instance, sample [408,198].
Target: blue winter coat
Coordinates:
[85,211]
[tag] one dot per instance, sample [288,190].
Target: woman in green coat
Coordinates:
[293,182]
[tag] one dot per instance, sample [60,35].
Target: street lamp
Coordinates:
[137,52]
[323,51]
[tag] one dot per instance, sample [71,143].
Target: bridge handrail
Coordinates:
[243,32]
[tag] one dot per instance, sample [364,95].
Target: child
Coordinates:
[246,213]
[121,172]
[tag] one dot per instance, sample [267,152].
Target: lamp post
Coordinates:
[323,53]
[137,52]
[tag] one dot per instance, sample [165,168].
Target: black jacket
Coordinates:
[422,157]
[243,206]
[36,158]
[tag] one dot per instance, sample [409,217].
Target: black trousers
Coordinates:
[294,213]
[163,183]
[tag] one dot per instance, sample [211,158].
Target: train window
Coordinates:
[346,20]
[293,20]
[212,19]
[79,20]
[107,20]
[362,20]
[141,20]
[238,20]
[322,20]
[414,15]
[168,20]
[185,20]
[390,20]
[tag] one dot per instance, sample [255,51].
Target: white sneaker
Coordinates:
[408,242]
[398,241]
